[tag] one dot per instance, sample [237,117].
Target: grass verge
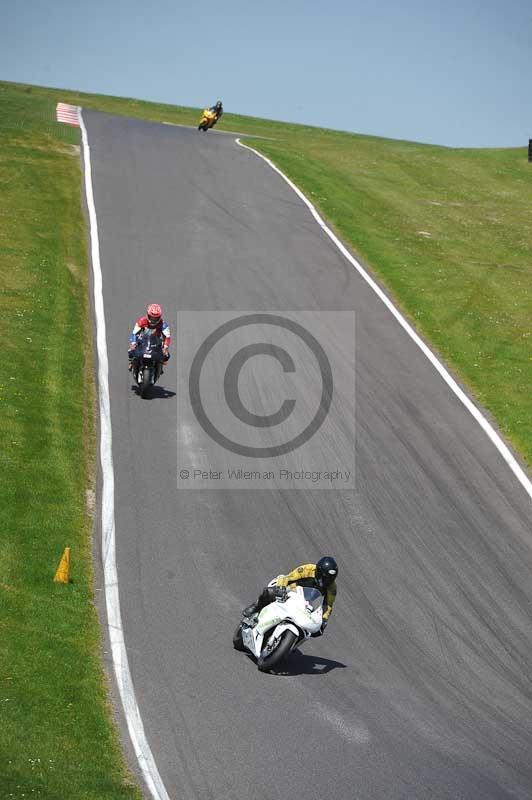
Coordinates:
[58,739]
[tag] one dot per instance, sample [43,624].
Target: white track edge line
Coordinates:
[116,633]
[449,380]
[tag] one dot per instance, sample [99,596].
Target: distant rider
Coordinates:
[152,321]
[217,109]
[321,576]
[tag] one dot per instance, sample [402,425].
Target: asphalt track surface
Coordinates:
[421,686]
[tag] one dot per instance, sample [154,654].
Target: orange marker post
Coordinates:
[62,574]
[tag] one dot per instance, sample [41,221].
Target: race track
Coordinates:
[421,686]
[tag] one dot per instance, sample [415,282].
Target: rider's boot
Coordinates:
[265,597]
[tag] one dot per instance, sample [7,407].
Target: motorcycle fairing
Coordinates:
[276,617]
[254,640]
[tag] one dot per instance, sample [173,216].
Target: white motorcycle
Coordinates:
[282,625]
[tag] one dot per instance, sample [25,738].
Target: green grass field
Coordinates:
[448,232]
[57,737]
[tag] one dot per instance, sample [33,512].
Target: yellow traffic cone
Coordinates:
[62,574]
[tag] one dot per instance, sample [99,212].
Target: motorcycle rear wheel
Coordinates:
[238,644]
[269,661]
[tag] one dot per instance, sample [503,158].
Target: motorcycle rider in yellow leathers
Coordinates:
[321,576]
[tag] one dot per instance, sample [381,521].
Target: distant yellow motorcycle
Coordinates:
[208,120]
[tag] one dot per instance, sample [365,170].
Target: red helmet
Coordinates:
[155,313]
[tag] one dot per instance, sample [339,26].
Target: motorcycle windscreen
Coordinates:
[313,598]
[150,343]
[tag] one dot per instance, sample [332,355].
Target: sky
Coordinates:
[457,73]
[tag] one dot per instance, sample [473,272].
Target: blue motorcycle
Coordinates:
[147,361]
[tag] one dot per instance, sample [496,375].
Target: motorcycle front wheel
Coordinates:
[146,382]
[271,658]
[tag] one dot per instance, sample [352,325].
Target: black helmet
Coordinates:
[326,570]
[218,104]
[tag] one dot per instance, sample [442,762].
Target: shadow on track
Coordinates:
[156,393]
[298,664]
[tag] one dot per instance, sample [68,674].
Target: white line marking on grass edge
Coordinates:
[112,599]
[471,407]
